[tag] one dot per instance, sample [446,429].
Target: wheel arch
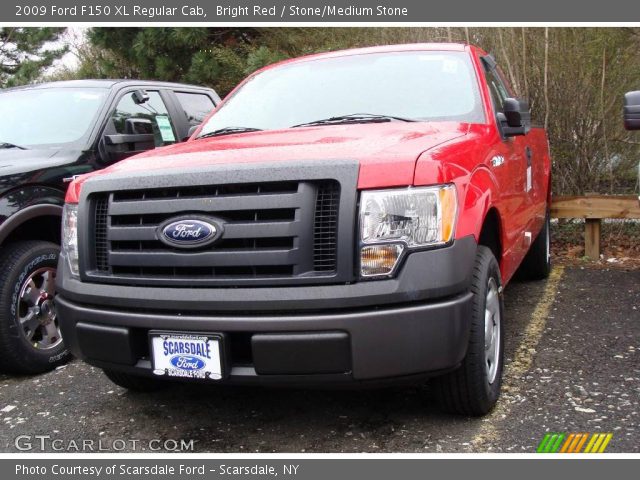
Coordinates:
[35,222]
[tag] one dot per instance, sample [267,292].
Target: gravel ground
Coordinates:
[573,366]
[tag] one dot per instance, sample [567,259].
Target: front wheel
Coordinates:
[30,340]
[473,388]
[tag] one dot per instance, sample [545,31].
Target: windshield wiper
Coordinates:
[355,118]
[12,145]
[229,130]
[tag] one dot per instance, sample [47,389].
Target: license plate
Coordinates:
[186,355]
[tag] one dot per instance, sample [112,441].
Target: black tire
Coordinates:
[135,383]
[537,263]
[29,349]
[468,390]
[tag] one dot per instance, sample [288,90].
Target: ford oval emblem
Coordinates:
[190,232]
[187,362]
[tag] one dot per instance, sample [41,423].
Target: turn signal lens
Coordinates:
[448,209]
[379,259]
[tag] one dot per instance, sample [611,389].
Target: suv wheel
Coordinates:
[30,339]
[473,388]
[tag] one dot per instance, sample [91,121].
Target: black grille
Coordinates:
[100,229]
[277,230]
[325,227]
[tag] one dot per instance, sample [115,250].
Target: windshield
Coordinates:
[39,117]
[423,86]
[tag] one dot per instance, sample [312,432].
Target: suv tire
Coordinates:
[30,339]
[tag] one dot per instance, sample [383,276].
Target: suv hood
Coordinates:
[15,160]
[387,152]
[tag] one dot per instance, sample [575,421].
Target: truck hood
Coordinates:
[387,152]
[15,160]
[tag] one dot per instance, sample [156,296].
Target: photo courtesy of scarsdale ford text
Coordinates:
[193,470]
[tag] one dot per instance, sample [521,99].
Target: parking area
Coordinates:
[573,365]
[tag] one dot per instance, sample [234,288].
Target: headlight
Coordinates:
[70,236]
[392,221]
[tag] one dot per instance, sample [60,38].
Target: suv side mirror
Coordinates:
[138,126]
[632,110]
[516,119]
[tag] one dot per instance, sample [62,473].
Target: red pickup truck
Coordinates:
[348,217]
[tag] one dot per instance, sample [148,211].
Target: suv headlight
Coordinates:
[395,220]
[70,236]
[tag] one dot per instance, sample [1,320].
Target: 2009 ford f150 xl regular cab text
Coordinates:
[344,217]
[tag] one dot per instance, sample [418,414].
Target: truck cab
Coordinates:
[51,133]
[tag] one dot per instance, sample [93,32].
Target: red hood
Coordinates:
[387,150]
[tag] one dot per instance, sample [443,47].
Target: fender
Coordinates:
[475,201]
[26,203]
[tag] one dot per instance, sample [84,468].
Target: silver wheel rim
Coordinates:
[492,330]
[36,314]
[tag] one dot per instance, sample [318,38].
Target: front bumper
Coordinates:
[414,324]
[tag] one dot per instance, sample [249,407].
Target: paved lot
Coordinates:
[573,366]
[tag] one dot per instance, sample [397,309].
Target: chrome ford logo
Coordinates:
[190,232]
[187,362]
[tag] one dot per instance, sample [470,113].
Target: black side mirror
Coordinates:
[632,110]
[138,126]
[516,119]
[140,97]
[117,147]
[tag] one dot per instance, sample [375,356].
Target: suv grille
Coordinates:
[283,230]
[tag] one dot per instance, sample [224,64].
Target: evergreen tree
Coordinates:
[26,52]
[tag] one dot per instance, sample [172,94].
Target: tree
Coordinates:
[26,52]
[216,57]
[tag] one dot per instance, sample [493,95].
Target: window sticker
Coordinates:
[166,132]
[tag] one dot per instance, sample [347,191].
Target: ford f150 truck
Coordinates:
[48,134]
[347,217]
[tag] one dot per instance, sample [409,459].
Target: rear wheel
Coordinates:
[136,383]
[473,388]
[30,339]
[537,263]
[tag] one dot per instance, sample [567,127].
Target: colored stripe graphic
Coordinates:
[551,443]
[574,442]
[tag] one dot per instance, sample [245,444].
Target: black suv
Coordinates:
[50,133]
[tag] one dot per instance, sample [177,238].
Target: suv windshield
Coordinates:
[417,85]
[38,117]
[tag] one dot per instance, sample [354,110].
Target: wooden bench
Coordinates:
[593,208]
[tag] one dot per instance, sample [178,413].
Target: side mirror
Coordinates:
[632,110]
[516,119]
[192,130]
[140,97]
[138,126]
[117,147]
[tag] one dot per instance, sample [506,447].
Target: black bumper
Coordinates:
[414,324]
